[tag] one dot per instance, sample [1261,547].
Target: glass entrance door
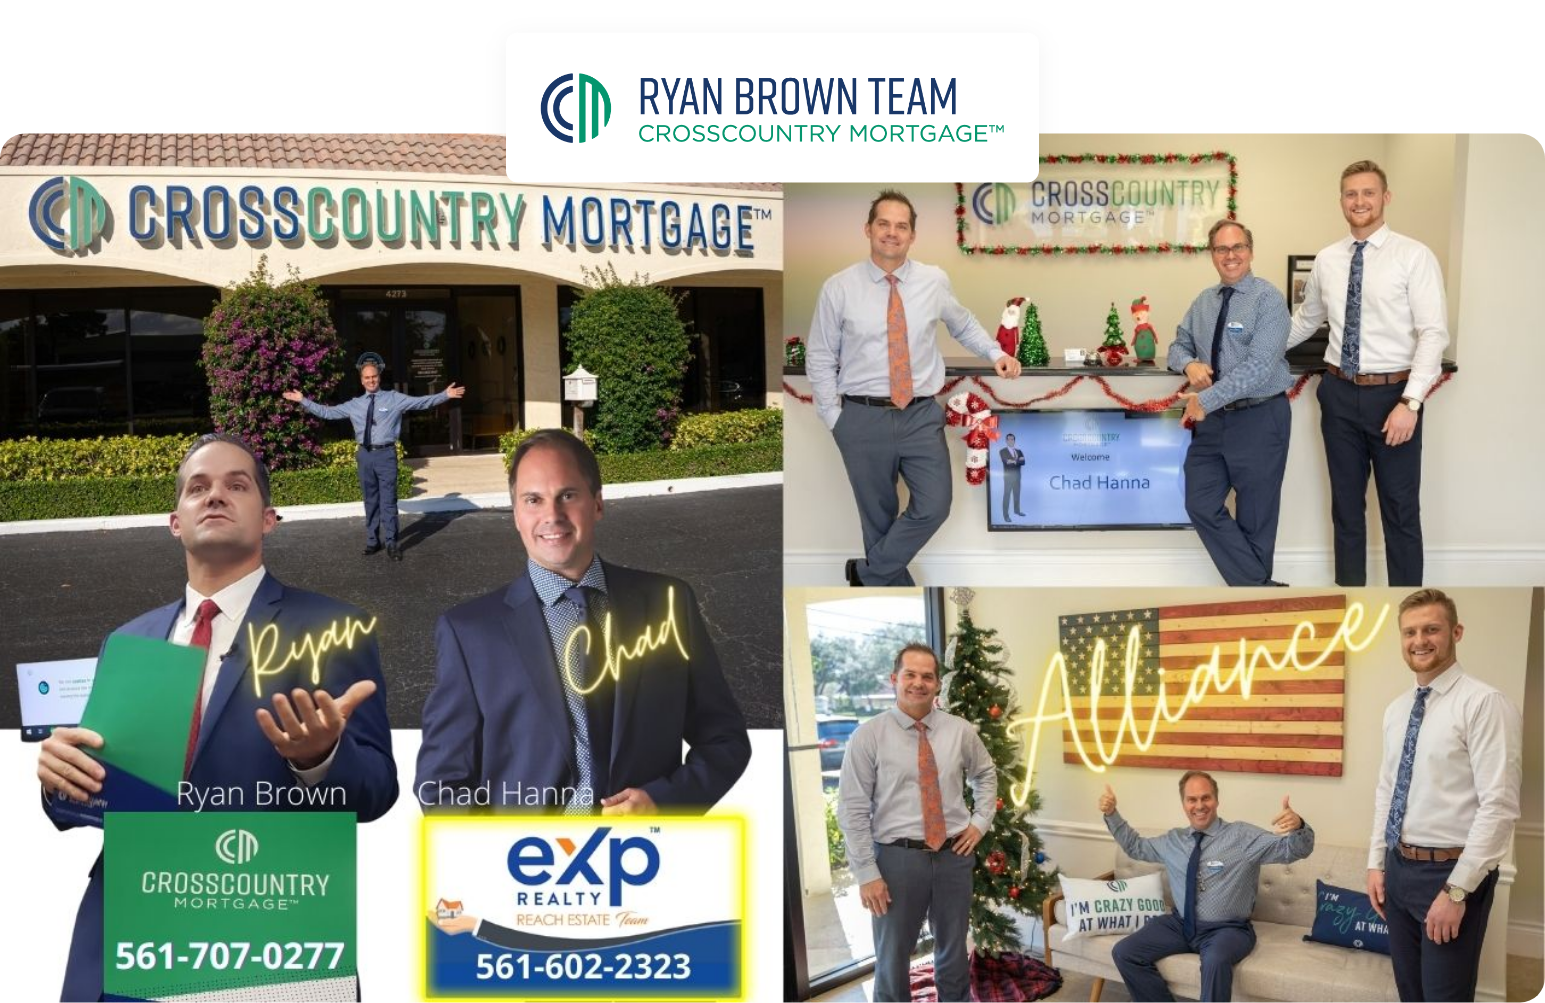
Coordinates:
[408,328]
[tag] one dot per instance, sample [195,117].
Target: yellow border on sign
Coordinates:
[429,823]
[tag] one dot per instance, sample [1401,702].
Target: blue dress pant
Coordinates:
[1221,945]
[1244,451]
[1352,421]
[378,483]
[923,885]
[1425,969]
[880,445]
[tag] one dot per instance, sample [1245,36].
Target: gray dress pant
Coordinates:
[878,446]
[923,885]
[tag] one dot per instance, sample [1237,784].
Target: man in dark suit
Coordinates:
[333,737]
[536,706]
[1013,464]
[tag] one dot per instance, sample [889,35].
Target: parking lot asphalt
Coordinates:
[62,593]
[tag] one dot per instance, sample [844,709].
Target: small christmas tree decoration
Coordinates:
[1032,346]
[793,352]
[1113,350]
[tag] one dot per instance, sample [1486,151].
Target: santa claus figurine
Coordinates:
[1008,327]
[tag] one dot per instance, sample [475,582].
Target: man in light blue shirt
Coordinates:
[1214,869]
[874,368]
[1230,347]
[376,416]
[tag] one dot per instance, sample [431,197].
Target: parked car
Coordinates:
[833,732]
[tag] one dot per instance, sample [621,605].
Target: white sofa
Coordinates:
[1283,965]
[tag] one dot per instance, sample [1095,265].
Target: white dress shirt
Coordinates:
[1465,779]
[1404,313]
[234,600]
[879,799]
[849,347]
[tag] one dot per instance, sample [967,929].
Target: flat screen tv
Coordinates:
[1087,469]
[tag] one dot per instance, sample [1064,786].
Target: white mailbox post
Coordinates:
[579,387]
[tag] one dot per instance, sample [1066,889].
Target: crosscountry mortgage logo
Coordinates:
[1003,203]
[84,210]
[594,104]
[236,846]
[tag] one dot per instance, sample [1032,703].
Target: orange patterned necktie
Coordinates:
[928,783]
[901,358]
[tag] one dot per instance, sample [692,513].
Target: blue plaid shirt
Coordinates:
[1254,342]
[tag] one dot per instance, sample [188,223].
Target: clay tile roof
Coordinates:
[430,154]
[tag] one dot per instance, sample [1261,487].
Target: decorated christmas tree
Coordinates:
[1032,347]
[1008,875]
[1113,338]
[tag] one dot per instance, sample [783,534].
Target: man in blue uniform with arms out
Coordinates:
[377,418]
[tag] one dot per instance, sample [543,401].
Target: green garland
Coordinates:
[1139,159]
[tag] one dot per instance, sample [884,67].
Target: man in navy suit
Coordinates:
[334,736]
[535,706]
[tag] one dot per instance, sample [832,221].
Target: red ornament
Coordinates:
[1014,892]
[997,862]
[1000,804]
[995,712]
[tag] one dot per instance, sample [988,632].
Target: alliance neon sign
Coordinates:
[1209,677]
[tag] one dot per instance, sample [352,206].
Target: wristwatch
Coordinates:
[1455,893]
[1412,403]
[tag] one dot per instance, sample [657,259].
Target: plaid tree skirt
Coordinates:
[1008,978]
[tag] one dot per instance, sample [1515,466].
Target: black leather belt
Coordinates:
[879,401]
[918,844]
[385,445]
[1249,402]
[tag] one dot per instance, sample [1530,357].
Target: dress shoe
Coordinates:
[374,548]
[851,571]
[394,552]
[1280,585]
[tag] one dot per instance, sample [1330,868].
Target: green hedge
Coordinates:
[73,497]
[703,461]
[33,459]
[724,427]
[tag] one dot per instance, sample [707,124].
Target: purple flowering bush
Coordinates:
[261,340]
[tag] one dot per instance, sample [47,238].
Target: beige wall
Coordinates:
[1473,199]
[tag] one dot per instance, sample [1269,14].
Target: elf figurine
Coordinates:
[1145,343]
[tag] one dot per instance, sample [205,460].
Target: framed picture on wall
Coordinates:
[1299,266]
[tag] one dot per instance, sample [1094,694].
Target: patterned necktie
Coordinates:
[900,355]
[203,637]
[1217,333]
[370,419]
[1193,877]
[575,610]
[1397,803]
[1352,332]
[928,784]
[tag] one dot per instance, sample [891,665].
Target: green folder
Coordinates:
[141,704]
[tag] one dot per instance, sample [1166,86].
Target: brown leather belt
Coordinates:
[880,401]
[1434,854]
[1371,379]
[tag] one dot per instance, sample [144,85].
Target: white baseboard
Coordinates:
[1163,566]
[1526,939]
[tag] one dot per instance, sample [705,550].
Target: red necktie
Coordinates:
[928,783]
[203,633]
[900,355]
